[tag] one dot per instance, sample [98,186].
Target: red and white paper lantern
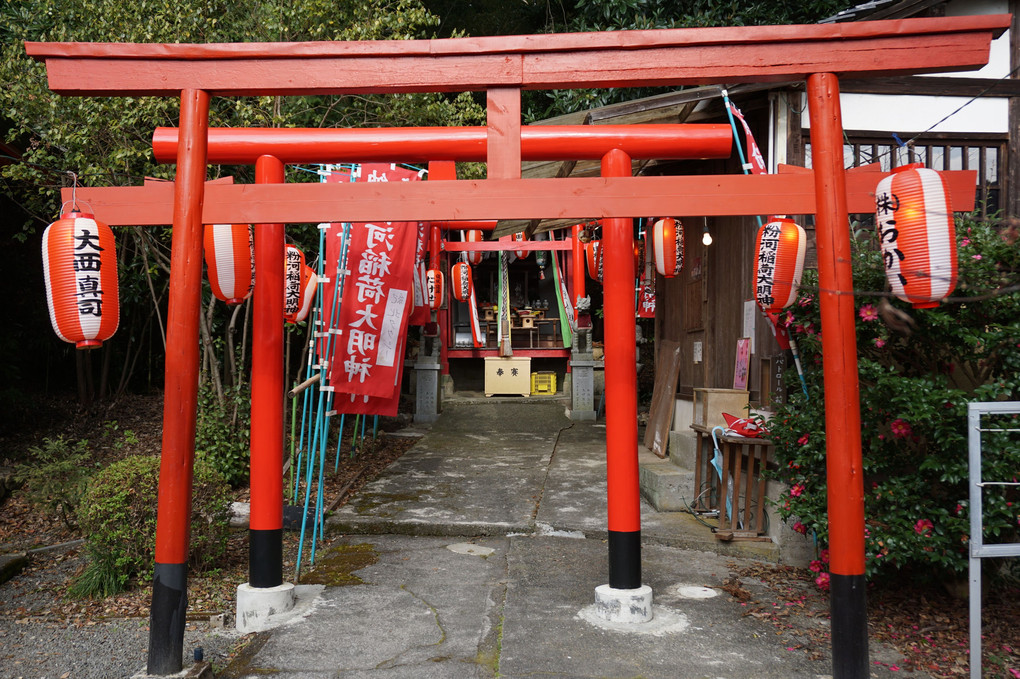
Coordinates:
[779,264]
[309,286]
[80,270]
[520,237]
[295,277]
[230,261]
[917,234]
[435,288]
[460,281]
[593,256]
[474,236]
[668,246]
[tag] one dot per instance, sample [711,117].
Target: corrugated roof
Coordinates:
[882,9]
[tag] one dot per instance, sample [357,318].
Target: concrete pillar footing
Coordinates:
[256,604]
[624,605]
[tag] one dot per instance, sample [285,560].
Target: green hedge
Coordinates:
[118,518]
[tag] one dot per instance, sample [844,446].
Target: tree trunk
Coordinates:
[210,355]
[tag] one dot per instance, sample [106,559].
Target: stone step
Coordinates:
[665,486]
[11,565]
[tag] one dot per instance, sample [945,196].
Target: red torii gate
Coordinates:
[819,54]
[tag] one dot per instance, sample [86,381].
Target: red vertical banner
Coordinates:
[646,284]
[335,270]
[755,160]
[646,298]
[420,314]
[374,310]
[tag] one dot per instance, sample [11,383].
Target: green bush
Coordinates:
[915,384]
[54,478]
[223,431]
[118,517]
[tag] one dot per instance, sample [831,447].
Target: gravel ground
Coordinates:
[40,641]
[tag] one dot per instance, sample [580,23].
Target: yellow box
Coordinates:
[710,404]
[507,375]
[543,383]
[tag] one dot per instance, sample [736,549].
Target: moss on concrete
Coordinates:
[336,567]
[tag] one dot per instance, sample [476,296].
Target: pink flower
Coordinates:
[975,256]
[796,490]
[823,556]
[800,528]
[900,428]
[868,312]
[959,508]
[923,526]
[803,440]
[965,242]
[823,582]
[804,301]
[816,566]
[879,342]
[788,319]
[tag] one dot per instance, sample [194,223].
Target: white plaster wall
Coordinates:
[912,114]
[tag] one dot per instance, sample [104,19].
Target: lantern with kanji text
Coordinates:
[295,277]
[230,261]
[914,220]
[779,264]
[80,271]
[520,237]
[668,246]
[309,286]
[460,281]
[435,288]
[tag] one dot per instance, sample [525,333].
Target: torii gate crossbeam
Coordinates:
[503,67]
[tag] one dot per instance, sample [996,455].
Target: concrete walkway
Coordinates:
[477,555]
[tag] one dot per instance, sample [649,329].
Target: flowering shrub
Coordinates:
[918,369]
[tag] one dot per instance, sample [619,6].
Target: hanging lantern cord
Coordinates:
[74,194]
[74,190]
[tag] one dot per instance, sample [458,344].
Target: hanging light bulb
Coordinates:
[706,237]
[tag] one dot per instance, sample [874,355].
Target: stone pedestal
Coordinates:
[426,401]
[582,388]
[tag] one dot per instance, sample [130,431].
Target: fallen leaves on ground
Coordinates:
[926,625]
[39,593]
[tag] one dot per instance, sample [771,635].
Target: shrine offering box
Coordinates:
[507,375]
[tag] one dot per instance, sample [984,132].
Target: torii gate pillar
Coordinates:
[842,399]
[173,513]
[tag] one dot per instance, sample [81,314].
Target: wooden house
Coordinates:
[946,121]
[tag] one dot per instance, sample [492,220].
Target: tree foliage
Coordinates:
[107,141]
[615,15]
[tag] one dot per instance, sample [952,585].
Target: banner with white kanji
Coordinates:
[646,298]
[374,309]
[336,255]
